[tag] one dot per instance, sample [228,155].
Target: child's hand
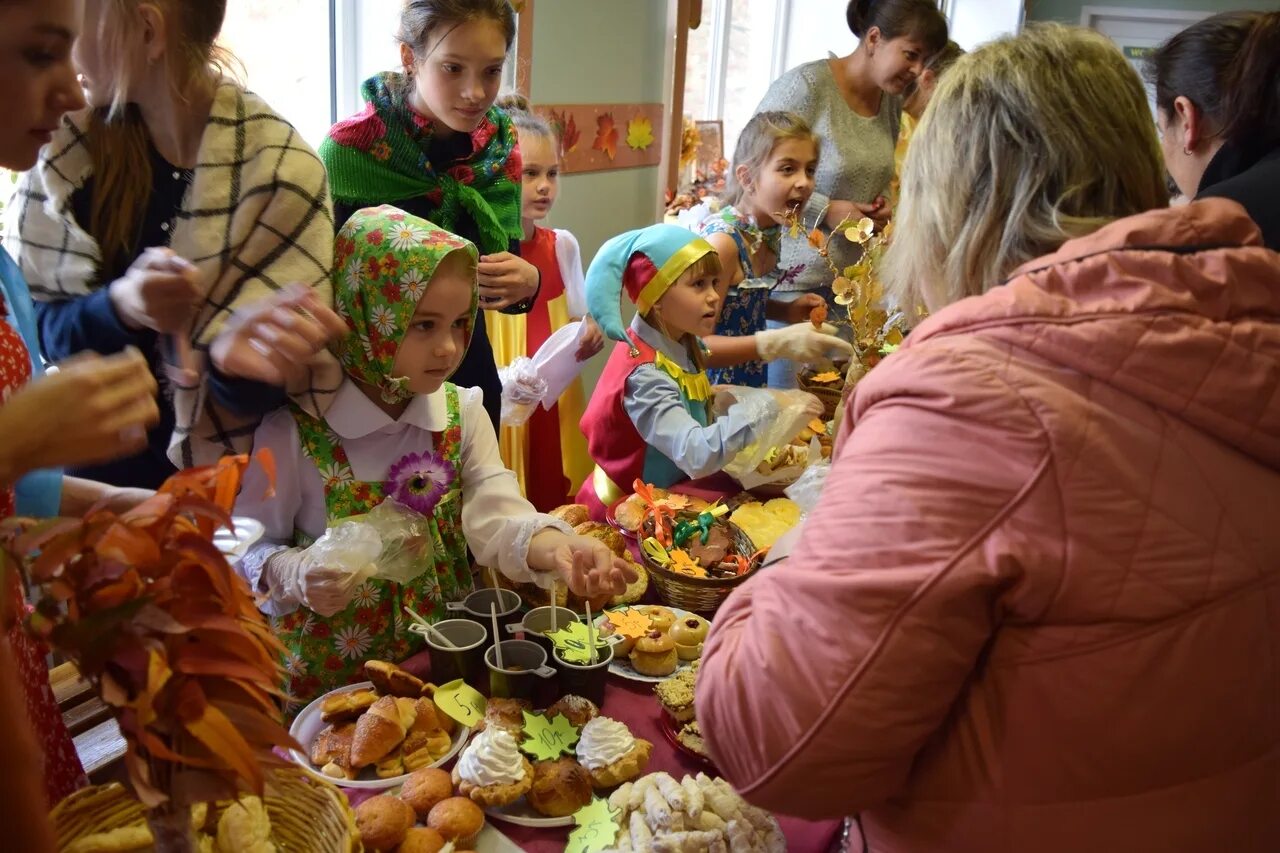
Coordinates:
[505,279]
[274,340]
[586,565]
[591,341]
[294,577]
[798,311]
[878,210]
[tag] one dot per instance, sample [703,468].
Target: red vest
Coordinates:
[615,444]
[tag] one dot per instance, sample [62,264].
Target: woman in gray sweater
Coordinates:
[853,104]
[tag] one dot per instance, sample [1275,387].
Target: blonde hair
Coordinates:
[708,264]
[1028,142]
[118,140]
[755,145]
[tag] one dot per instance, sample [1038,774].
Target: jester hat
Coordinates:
[645,262]
[384,260]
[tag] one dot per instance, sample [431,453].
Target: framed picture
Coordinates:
[711,147]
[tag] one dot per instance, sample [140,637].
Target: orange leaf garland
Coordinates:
[606,136]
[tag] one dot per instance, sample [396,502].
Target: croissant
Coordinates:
[378,731]
[390,679]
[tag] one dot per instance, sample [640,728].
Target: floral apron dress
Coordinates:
[325,653]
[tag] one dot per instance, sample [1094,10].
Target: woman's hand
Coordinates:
[585,564]
[92,409]
[160,291]
[798,311]
[878,211]
[591,341]
[274,340]
[505,280]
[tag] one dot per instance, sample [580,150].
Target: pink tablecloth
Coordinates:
[634,704]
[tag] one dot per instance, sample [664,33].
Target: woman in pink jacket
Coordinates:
[1038,606]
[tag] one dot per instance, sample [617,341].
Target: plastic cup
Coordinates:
[476,607]
[585,679]
[524,673]
[466,660]
[537,622]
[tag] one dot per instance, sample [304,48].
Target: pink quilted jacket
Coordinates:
[1038,608]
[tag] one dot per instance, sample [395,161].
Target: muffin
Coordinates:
[424,788]
[610,753]
[577,710]
[422,839]
[654,654]
[457,819]
[384,821]
[659,617]
[560,788]
[491,770]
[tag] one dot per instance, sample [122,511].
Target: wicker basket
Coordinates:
[701,595]
[306,814]
[828,392]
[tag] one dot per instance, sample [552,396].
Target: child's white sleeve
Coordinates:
[653,403]
[298,502]
[569,257]
[496,519]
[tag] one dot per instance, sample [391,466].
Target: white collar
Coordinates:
[353,415]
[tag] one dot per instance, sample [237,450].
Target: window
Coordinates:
[283,49]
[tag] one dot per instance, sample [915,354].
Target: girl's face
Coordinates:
[39,79]
[460,72]
[895,62]
[690,306]
[541,173]
[436,340]
[785,181]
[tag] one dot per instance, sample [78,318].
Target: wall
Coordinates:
[1068,11]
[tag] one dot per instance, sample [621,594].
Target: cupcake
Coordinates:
[424,788]
[655,654]
[457,819]
[422,839]
[491,771]
[610,753]
[383,822]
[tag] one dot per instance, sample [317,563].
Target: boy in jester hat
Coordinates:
[650,415]
[396,428]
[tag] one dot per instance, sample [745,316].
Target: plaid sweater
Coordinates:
[257,217]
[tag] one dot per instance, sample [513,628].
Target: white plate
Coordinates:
[235,544]
[493,841]
[623,669]
[522,814]
[308,724]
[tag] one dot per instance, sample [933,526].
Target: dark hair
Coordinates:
[919,19]
[938,63]
[1229,67]
[419,18]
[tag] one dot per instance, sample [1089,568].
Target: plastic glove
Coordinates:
[801,342]
[294,577]
[587,565]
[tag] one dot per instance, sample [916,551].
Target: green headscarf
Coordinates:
[384,260]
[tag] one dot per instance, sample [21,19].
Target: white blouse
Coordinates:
[497,521]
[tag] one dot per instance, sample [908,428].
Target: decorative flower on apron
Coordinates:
[420,480]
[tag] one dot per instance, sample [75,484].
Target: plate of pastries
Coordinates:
[375,733]
[679,722]
[498,773]
[695,814]
[671,643]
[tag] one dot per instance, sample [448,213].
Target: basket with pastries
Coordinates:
[695,558]
[371,735]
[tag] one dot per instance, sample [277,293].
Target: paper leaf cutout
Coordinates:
[827,376]
[639,133]
[597,828]
[573,642]
[461,702]
[606,136]
[818,427]
[547,738]
[629,623]
[566,128]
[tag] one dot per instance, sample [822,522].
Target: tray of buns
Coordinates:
[670,642]
[373,734]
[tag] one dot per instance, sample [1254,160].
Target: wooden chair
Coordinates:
[97,737]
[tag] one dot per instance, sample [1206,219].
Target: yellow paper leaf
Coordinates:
[597,828]
[460,701]
[825,377]
[629,623]
[547,738]
[573,642]
[639,133]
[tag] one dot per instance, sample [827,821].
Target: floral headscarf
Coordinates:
[384,260]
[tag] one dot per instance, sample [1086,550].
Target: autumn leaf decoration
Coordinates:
[565,128]
[151,613]
[639,133]
[606,136]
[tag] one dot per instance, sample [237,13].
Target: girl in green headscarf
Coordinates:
[396,428]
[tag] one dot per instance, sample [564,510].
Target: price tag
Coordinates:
[573,642]
[461,701]
[547,738]
[629,623]
[597,829]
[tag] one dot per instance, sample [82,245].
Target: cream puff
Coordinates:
[610,753]
[654,654]
[491,771]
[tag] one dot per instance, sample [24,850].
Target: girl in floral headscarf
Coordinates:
[397,428]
